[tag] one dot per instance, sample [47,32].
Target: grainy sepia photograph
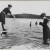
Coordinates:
[24,25]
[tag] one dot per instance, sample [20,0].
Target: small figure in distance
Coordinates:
[36,23]
[30,24]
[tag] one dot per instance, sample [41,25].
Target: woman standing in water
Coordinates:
[45,28]
[4,12]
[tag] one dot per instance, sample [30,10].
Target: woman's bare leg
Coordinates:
[3,26]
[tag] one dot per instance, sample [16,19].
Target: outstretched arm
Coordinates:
[12,15]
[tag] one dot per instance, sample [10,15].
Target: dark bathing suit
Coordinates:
[3,13]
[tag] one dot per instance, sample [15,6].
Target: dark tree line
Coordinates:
[26,16]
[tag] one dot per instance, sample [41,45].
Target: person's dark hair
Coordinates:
[9,5]
[42,15]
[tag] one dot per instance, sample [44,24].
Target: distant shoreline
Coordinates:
[34,16]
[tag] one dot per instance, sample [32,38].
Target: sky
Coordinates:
[30,7]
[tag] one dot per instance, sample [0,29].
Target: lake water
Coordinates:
[20,33]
